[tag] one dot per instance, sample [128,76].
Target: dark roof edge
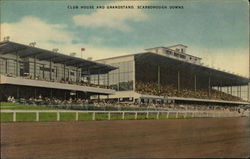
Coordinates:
[94,62]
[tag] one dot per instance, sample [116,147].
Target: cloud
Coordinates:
[32,29]
[49,36]
[231,60]
[112,18]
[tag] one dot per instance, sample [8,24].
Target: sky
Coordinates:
[216,31]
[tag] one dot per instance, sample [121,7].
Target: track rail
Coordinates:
[166,114]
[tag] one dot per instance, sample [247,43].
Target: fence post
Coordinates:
[147,115]
[14,116]
[157,116]
[37,116]
[77,116]
[58,116]
[176,116]
[135,115]
[185,115]
[167,115]
[93,116]
[109,115]
[123,115]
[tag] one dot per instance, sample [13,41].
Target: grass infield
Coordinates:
[70,116]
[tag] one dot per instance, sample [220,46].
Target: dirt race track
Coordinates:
[211,137]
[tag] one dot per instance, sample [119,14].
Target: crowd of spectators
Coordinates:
[171,91]
[109,103]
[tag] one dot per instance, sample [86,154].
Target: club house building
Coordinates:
[27,71]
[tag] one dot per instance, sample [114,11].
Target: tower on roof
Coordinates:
[177,52]
[178,48]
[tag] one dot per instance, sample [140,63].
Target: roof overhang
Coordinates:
[53,85]
[224,78]
[24,51]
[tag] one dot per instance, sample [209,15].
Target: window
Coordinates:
[183,56]
[72,73]
[168,52]
[175,54]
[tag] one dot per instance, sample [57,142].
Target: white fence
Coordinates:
[157,114]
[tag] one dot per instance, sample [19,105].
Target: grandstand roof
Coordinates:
[218,77]
[8,47]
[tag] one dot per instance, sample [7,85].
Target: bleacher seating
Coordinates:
[171,91]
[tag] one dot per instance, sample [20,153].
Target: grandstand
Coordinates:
[29,72]
[170,75]
[160,75]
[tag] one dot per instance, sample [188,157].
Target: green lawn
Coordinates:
[47,116]
[69,116]
[25,116]
[6,117]
[116,116]
[82,116]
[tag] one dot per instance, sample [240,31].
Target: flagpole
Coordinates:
[82,49]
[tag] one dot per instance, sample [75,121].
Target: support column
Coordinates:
[118,84]
[6,66]
[237,90]
[69,74]
[98,78]
[159,77]
[209,86]
[51,94]
[64,72]
[17,61]
[178,81]
[34,67]
[80,74]
[240,91]
[89,78]
[248,92]
[134,78]
[17,92]
[195,86]
[43,71]
[50,72]
[231,90]
[108,79]
[220,89]
[35,92]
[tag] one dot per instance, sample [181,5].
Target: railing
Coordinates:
[125,114]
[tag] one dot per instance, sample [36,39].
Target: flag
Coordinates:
[82,49]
